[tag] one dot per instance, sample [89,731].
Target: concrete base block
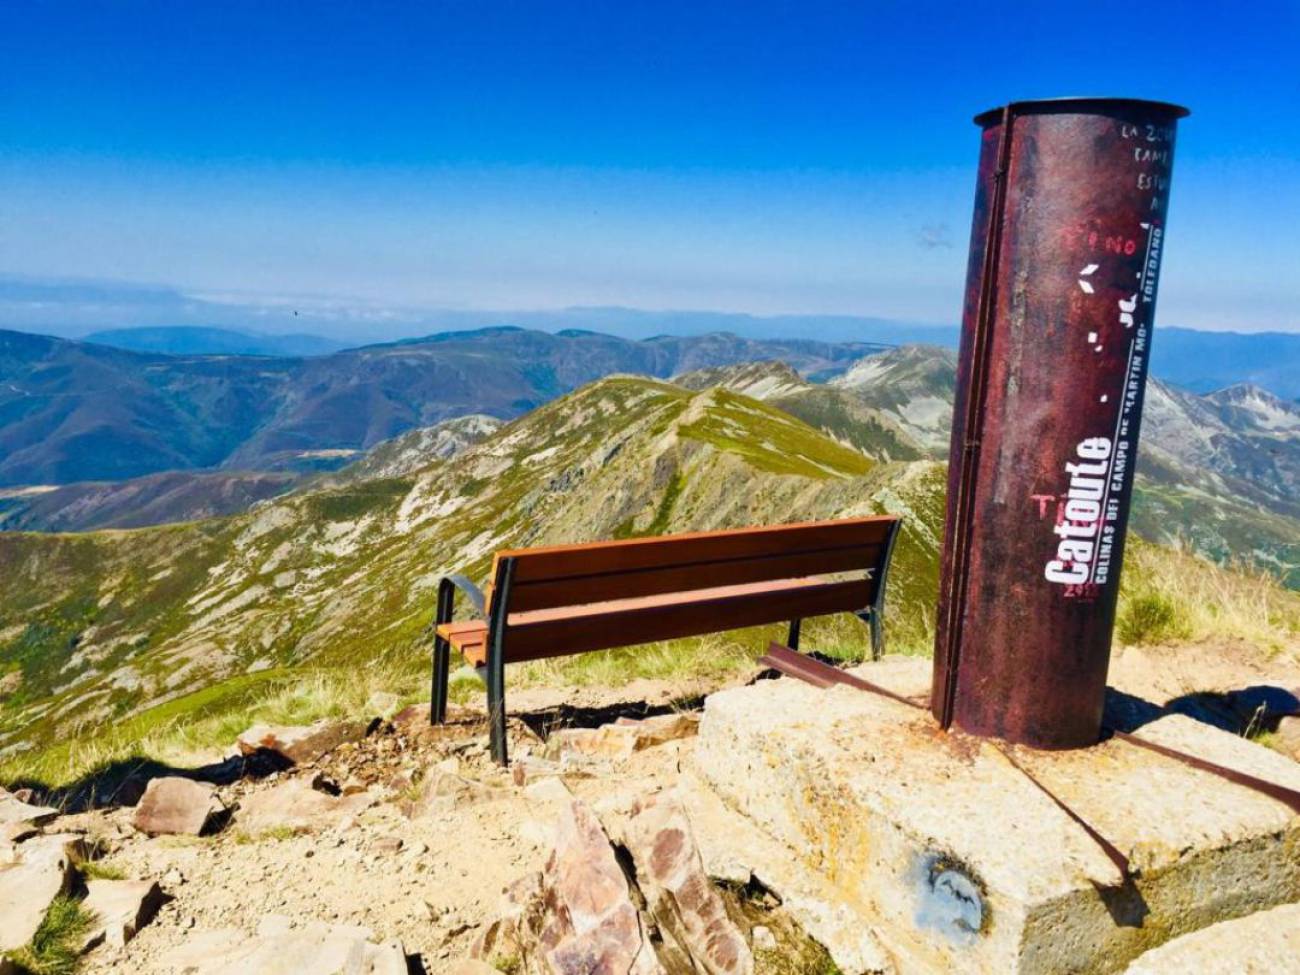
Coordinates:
[959,863]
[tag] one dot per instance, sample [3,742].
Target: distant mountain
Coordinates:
[1206,361]
[1219,473]
[194,340]
[73,411]
[151,500]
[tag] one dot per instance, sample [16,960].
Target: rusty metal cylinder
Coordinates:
[1065,251]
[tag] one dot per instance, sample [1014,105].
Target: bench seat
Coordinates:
[469,637]
[561,600]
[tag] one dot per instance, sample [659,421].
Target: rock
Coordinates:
[387,845]
[173,805]
[529,768]
[1258,944]
[620,740]
[548,790]
[443,791]
[678,892]
[762,938]
[120,908]
[44,869]
[1287,737]
[295,805]
[576,916]
[299,744]
[282,948]
[471,966]
[18,814]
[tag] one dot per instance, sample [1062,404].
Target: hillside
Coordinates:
[154,499]
[72,411]
[103,626]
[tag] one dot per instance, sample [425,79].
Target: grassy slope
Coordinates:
[164,639]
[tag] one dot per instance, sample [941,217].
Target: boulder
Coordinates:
[442,791]
[295,805]
[173,805]
[120,908]
[17,814]
[44,869]
[576,916]
[1258,944]
[1287,737]
[299,744]
[285,947]
[678,892]
[620,740]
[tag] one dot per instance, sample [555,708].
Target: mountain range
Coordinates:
[74,411]
[129,629]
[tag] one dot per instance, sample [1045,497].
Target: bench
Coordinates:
[571,599]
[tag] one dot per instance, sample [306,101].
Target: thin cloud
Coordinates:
[934,235]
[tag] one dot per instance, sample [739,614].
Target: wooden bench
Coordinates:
[570,599]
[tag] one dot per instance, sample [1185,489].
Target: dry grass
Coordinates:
[186,737]
[1169,596]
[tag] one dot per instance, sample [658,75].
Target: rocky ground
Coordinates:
[385,845]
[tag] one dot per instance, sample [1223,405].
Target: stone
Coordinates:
[734,849]
[1258,944]
[472,966]
[576,916]
[620,740]
[547,790]
[1287,736]
[441,792]
[44,869]
[284,947]
[762,938]
[300,744]
[958,861]
[173,805]
[17,814]
[678,892]
[293,804]
[120,908]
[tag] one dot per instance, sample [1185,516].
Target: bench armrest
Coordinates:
[472,592]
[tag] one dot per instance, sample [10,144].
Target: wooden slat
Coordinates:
[551,633]
[567,561]
[577,590]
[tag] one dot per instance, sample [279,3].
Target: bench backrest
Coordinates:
[562,577]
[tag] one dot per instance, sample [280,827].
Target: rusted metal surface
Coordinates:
[1065,252]
[810,671]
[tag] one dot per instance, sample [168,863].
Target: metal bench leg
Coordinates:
[441,654]
[496,661]
[877,635]
[496,695]
[792,641]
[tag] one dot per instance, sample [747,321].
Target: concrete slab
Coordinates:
[958,862]
[1261,944]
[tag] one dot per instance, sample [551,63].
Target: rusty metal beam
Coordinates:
[1065,252]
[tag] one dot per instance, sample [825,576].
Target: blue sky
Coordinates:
[761,157]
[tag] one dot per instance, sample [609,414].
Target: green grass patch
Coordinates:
[55,948]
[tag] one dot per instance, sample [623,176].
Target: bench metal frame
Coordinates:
[493,674]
